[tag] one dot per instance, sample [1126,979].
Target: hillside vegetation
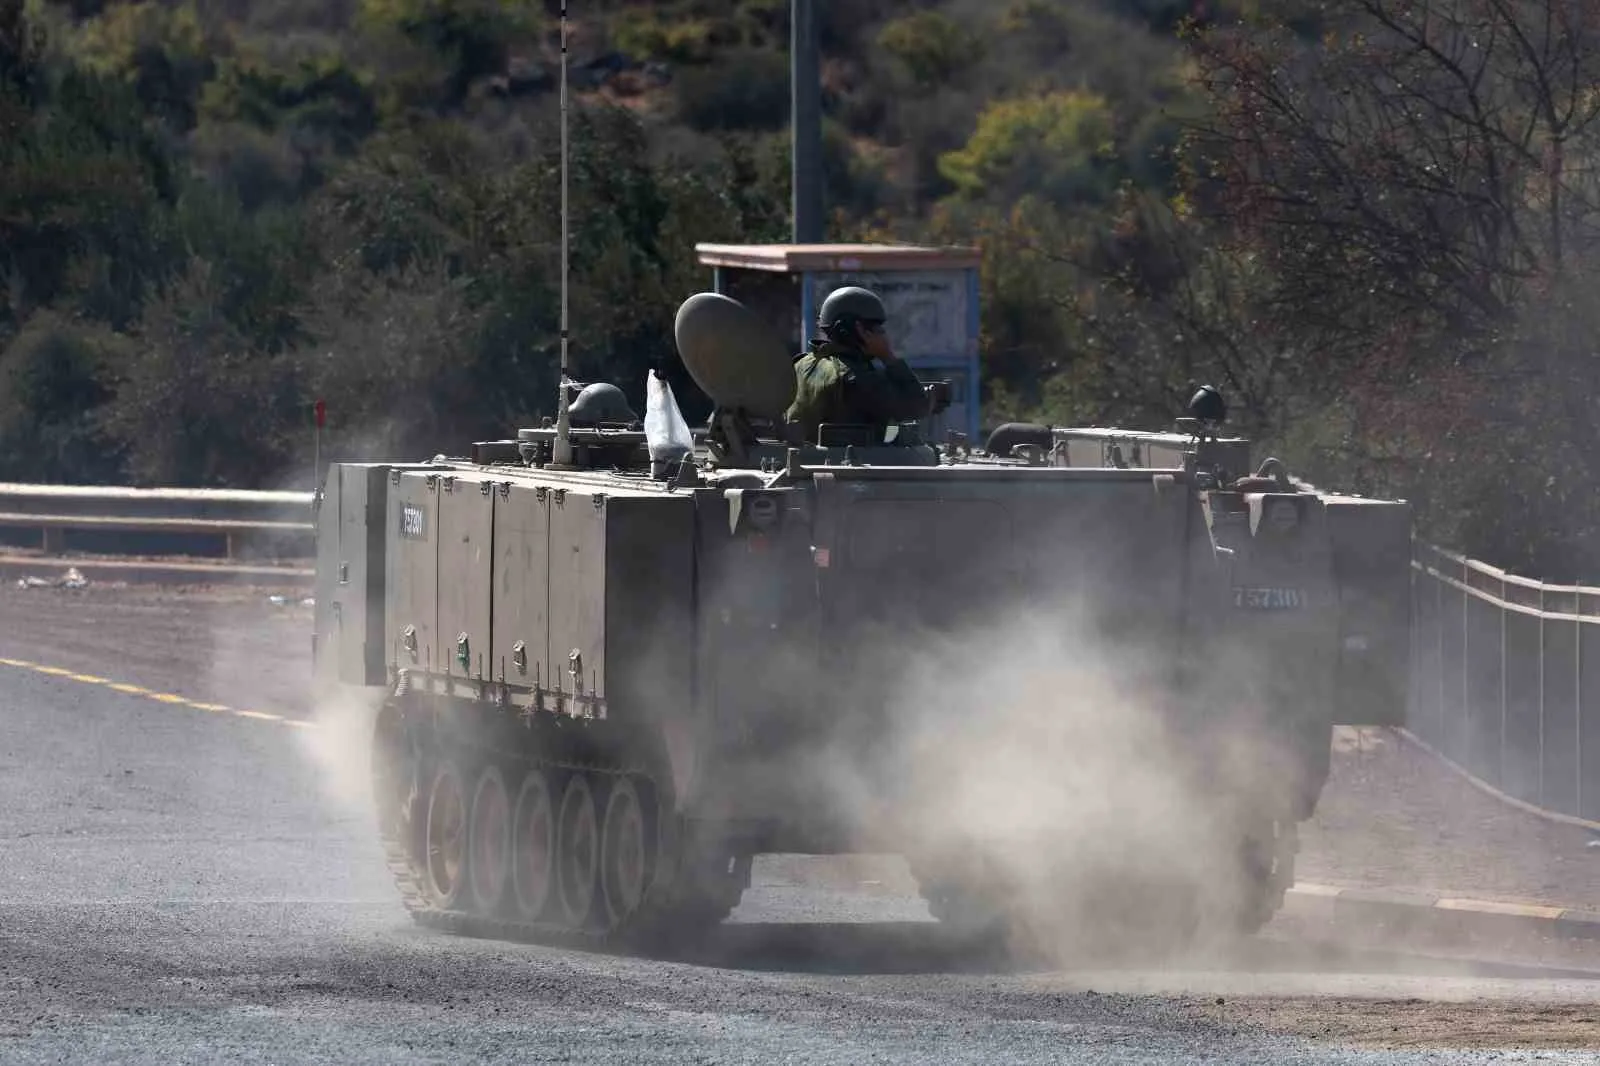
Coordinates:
[1370,222]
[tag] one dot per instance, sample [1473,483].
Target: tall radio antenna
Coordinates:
[561,453]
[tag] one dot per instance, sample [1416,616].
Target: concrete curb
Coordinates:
[157,572]
[1442,911]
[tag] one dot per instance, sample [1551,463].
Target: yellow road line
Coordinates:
[1490,906]
[169,698]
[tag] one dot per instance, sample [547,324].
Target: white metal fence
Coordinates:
[1505,679]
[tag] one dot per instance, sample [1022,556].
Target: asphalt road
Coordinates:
[188,885]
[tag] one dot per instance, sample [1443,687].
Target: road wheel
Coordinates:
[490,850]
[577,851]
[626,860]
[446,835]
[533,847]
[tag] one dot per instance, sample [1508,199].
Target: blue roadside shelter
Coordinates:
[931,295]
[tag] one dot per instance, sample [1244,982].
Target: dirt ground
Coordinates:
[1388,1024]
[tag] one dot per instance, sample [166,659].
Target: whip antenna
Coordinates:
[561,453]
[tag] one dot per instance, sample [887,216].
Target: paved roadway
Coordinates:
[188,885]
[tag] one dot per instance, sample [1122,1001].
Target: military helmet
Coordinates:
[1207,405]
[850,304]
[600,402]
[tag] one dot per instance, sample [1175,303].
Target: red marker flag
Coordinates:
[321,410]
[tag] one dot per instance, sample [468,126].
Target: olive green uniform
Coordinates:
[837,384]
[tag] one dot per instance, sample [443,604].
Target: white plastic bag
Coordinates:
[665,431]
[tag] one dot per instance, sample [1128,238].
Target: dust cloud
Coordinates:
[1035,764]
[340,747]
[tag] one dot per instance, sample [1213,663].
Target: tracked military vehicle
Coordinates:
[618,658]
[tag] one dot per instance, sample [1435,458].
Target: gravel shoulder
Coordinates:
[1394,816]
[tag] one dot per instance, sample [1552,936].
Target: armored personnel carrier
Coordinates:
[618,658]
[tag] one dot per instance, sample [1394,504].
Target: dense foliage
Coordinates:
[1370,221]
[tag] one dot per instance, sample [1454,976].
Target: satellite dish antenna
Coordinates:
[736,358]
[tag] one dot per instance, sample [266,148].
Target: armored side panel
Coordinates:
[351,569]
[578,592]
[411,582]
[520,652]
[592,603]
[647,655]
[1372,558]
[463,534]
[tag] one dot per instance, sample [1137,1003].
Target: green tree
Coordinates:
[933,47]
[321,99]
[1419,189]
[1060,145]
[199,403]
[471,38]
[84,190]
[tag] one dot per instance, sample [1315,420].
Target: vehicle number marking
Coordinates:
[1268,599]
[413,522]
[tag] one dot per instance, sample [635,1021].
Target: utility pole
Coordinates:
[805,90]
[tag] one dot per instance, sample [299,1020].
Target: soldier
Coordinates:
[836,381]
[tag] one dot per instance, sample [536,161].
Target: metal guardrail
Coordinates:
[1505,679]
[126,494]
[228,519]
